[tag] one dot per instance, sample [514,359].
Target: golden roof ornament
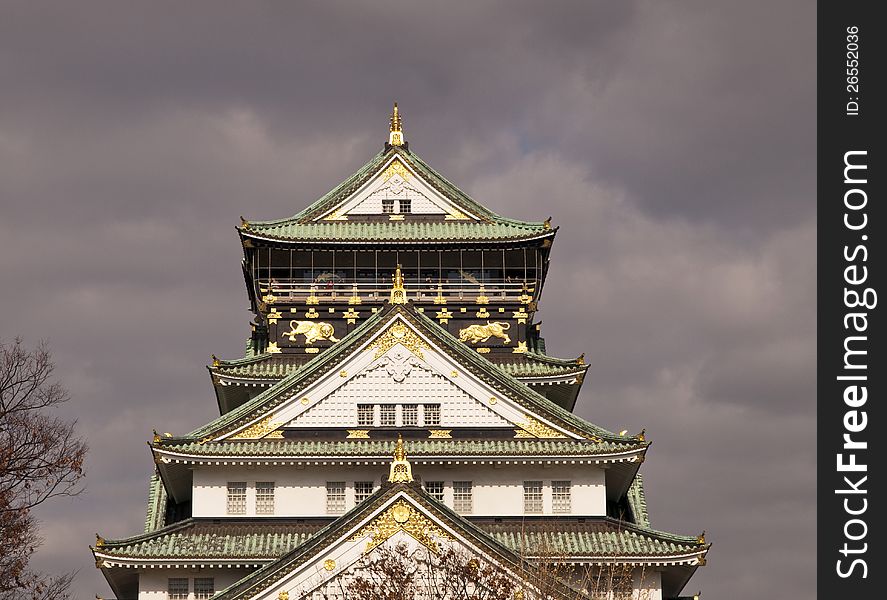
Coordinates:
[395,137]
[398,293]
[401,470]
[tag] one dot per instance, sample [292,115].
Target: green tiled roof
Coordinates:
[303,227]
[299,448]
[269,539]
[637,500]
[272,367]
[324,363]
[156,514]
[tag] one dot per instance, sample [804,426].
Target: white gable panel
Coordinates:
[399,184]
[380,385]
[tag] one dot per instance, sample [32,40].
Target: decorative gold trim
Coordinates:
[312,296]
[546,243]
[454,374]
[312,330]
[216,361]
[398,293]
[482,314]
[257,430]
[396,168]
[477,333]
[336,215]
[533,428]
[312,314]
[401,471]
[100,541]
[439,299]
[269,298]
[444,315]
[395,217]
[343,373]
[440,434]
[493,400]
[399,333]
[273,349]
[521,315]
[355,297]
[329,564]
[284,595]
[247,243]
[581,359]
[395,128]
[400,516]
[483,350]
[455,215]
[700,539]
[482,296]
[520,349]
[351,315]
[312,350]
[273,316]
[547,223]
[305,400]
[362,434]
[277,434]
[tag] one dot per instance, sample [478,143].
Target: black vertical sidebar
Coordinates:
[852,225]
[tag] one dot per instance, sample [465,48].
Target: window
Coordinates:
[462,502]
[561,497]
[204,587]
[335,497]
[236,497]
[435,490]
[362,490]
[177,587]
[365,415]
[405,206]
[410,415]
[431,414]
[532,496]
[388,415]
[264,497]
[387,206]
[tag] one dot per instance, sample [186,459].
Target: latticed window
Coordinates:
[388,415]
[362,490]
[177,588]
[365,415]
[410,415]
[532,496]
[236,498]
[387,206]
[431,414]
[335,497]
[561,496]
[462,497]
[406,206]
[264,497]
[435,489]
[204,587]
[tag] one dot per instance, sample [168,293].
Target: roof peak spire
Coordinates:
[395,128]
[401,470]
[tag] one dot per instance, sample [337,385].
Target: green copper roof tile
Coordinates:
[296,448]
[156,513]
[637,501]
[262,540]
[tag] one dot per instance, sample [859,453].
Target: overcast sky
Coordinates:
[673,142]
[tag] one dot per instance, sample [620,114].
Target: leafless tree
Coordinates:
[40,458]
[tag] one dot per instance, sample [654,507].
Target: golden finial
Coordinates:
[581,359]
[395,137]
[401,470]
[216,360]
[284,595]
[701,537]
[640,436]
[99,541]
[398,293]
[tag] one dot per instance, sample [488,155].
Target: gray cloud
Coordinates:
[674,143]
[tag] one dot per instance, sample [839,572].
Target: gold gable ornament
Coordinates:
[398,293]
[401,470]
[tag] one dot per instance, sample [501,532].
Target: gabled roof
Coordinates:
[326,363]
[474,223]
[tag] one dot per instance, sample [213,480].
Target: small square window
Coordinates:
[561,496]
[435,489]
[236,498]
[462,497]
[387,206]
[177,588]
[431,414]
[365,415]
[410,415]
[362,490]
[335,497]
[532,497]
[264,497]
[388,415]
[405,206]
[204,587]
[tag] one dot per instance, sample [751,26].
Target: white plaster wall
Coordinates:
[302,492]
[153,582]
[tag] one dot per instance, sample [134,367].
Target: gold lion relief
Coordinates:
[312,330]
[481,333]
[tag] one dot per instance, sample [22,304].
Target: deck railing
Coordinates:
[369,291]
